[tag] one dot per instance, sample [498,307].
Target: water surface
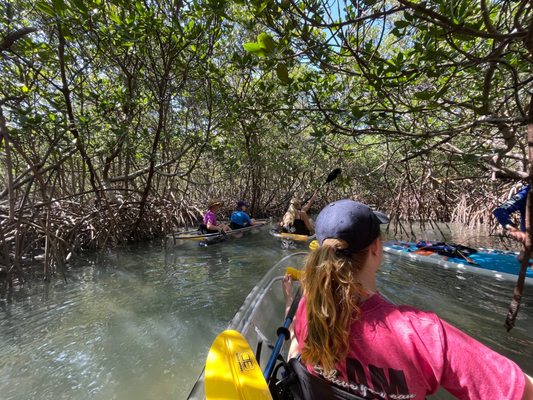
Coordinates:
[137,322]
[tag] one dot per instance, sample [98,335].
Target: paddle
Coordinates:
[283,334]
[232,372]
[295,274]
[331,177]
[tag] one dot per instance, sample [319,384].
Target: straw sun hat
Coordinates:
[214,202]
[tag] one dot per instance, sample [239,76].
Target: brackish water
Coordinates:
[137,322]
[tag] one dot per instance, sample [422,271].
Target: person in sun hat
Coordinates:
[239,218]
[348,338]
[210,223]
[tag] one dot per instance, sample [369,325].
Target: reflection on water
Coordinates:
[137,322]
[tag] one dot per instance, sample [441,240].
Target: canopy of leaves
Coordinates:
[106,102]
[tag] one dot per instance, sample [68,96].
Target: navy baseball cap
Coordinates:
[241,204]
[349,220]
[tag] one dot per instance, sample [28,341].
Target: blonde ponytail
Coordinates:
[292,213]
[332,298]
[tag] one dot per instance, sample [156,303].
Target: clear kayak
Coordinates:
[260,316]
[205,239]
[500,264]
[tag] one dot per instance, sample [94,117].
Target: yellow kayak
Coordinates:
[291,236]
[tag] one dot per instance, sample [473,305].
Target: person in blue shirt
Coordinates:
[239,218]
[504,211]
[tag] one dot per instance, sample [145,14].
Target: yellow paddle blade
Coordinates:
[296,274]
[232,372]
[314,245]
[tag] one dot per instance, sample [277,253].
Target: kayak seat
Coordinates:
[300,384]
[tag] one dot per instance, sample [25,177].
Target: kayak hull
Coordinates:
[260,315]
[292,236]
[499,264]
[205,239]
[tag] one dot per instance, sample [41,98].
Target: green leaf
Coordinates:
[25,89]
[115,18]
[266,41]
[283,73]
[45,8]
[59,5]
[401,24]
[470,158]
[80,5]
[424,95]
[357,112]
[255,48]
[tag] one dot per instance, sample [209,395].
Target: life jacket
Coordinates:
[298,228]
[233,225]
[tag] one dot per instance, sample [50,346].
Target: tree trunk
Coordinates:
[4,135]
[519,288]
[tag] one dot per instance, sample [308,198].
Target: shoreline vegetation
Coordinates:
[40,240]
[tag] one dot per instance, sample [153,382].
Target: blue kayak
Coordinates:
[500,264]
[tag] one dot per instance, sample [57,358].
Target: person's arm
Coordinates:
[285,220]
[474,371]
[528,389]
[307,222]
[308,205]
[504,211]
[516,234]
[212,227]
[289,298]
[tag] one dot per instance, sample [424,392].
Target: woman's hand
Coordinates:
[286,285]
[517,234]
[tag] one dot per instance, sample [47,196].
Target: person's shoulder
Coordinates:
[406,312]
[417,315]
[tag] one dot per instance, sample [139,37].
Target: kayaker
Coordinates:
[211,225]
[348,336]
[296,220]
[239,218]
[504,212]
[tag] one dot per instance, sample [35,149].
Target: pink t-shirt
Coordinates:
[210,217]
[400,352]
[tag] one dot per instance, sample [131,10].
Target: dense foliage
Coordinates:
[119,119]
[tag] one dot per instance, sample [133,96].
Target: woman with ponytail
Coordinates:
[352,338]
[296,220]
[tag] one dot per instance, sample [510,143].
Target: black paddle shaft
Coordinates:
[331,177]
[283,334]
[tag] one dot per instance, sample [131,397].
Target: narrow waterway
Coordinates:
[137,322]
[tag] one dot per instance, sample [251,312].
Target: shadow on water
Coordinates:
[137,322]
